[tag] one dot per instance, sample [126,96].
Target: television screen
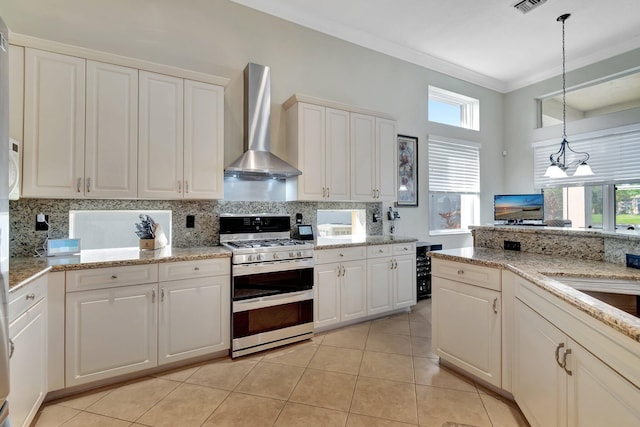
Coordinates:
[518,207]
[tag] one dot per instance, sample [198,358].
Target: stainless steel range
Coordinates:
[272,282]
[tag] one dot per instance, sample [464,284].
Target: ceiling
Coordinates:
[486,42]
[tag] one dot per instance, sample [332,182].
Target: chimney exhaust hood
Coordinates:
[257,160]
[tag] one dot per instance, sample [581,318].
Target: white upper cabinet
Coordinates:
[99,130]
[161,143]
[203,140]
[54,125]
[181,138]
[111,146]
[319,146]
[373,158]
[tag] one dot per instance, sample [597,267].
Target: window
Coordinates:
[346,223]
[453,109]
[113,229]
[627,206]
[583,206]
[454,185]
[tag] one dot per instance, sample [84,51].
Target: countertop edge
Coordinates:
[370,241]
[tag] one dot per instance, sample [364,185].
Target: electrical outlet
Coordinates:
[42,222]
[511,246]
[633,261]
[191,221]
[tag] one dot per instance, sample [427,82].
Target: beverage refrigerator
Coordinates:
[4,224]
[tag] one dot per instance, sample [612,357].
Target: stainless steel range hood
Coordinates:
[257,161]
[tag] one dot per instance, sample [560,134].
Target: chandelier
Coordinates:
[558,167]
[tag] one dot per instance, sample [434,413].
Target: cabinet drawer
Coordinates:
[379,251]
[485,277]
[110,277]
[326,256]
[27,296]
[193,269]
[404,248]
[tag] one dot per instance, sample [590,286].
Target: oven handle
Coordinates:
[272,300]
[270,267]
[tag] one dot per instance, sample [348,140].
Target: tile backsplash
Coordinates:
[24,240]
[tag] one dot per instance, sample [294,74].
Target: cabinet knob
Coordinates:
[380,250]
[30,297]
[196,268]
[341,254]
[113,277]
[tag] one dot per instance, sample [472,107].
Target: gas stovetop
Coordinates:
[261,238]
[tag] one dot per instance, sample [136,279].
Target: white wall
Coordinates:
[220,38]
[520,118]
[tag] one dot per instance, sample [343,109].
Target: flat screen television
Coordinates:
[518,207]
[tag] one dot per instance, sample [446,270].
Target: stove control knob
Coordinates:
[276,256]
[249,258]
[259,257]
[292,254]
[299,254]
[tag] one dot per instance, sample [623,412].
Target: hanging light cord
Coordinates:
[559,158]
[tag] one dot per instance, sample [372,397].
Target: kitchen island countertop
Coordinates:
[23,270]
[347,241]
[538,269]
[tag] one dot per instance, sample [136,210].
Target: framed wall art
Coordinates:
[407,170]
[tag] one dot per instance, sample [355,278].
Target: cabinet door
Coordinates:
[194,318]
[405,281]
[54,125]
[16,92]
[363,157]
[28,372]
[111,156]
[110,332]
[353,290]
[539,383]
[337,155]
[326,301]
[160,140]
[203,140]
[311,147]
[599,396]
[386,159]
[467,328]
[379,283]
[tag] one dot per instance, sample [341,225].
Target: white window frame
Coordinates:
[447,159]
[469,107]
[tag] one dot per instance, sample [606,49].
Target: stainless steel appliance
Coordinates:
[272,282]
[4,223]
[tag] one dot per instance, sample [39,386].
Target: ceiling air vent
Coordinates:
[526,6]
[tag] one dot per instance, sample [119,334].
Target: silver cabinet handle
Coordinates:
[380,250]
[196,268]
[561,345]
[12,348]
[114,277]
[343,270]
[339,271]
[30,297]
[153,295]
[186,187]
[564,362]
[405,248]
[88,185]
[341,254]
[460,271]
[495,305]
[328,192]
[162,295]
[79,185]
[179,186]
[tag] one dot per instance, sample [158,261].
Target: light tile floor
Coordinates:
[378,373]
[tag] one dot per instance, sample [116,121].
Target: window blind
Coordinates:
[614,157]
[454,166]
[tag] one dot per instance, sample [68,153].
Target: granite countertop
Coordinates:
[633,235]
[344,242]
[538,269]
[22,270]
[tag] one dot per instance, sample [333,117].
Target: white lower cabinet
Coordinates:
[467,318]
[110,332]
[340,292]
[194,318]
[182,312]
[380,285]
[28,364]
[391,277]
[557,382]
